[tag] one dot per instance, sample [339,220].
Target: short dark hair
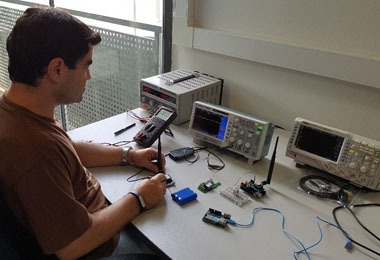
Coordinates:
[42,34]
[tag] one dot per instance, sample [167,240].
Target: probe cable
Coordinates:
[214,166]
[137,173]
[119,143]
[324,186]
[356,218]
[304,249]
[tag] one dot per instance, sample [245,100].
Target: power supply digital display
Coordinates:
[210,123]
[318,142]
[159,94]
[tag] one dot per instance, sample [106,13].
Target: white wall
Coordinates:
[279,94]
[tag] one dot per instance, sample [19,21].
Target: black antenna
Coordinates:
[159,162]
[271,165]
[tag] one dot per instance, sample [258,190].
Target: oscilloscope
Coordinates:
[178,90]
[338,152]
[230,129]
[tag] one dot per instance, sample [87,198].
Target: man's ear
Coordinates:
[55,69]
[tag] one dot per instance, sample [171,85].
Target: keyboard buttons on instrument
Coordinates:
[363,180]
[351,176]
[363,169]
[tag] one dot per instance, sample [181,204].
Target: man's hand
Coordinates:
[152,190]
[144,157]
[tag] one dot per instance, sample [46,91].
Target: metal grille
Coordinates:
[8,18]
[120,61]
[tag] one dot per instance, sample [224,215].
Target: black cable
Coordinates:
[322,193]
[345,205]
[344,232]
[138,179]
[280,127]
[195,154]
[214,166]
[168,132]
[120,143]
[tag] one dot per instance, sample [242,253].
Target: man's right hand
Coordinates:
[152,190]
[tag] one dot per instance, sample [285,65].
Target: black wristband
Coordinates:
[140,199]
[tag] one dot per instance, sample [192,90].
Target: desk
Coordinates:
[179,230]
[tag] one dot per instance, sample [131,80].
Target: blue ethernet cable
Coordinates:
[304,249]
[232,222]
[318,220]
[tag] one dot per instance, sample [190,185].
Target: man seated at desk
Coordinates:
[43,175]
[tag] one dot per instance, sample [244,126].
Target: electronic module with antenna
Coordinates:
[257,190]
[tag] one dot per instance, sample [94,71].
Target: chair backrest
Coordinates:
[16,242]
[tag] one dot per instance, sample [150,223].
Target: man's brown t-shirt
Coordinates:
[44,182]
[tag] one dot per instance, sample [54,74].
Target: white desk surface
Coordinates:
[179,230]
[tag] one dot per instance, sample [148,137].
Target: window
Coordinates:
[131,49]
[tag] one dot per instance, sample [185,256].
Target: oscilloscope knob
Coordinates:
[143,99]
[240,142]
[151,102]
[363,169]
[241,132]
[250,135]
[232,139]
[352,165]
[247,145]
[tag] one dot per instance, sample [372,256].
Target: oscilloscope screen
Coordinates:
[209,123]
[318,142]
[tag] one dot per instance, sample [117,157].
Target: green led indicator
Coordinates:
[260,127]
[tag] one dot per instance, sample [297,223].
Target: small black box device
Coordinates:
[181,153]
[155,126]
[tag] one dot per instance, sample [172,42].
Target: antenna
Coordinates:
[159,162]
[271,165]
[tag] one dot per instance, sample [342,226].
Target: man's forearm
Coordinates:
[105,224]
[92,155]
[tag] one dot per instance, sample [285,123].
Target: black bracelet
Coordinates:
[139,199]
